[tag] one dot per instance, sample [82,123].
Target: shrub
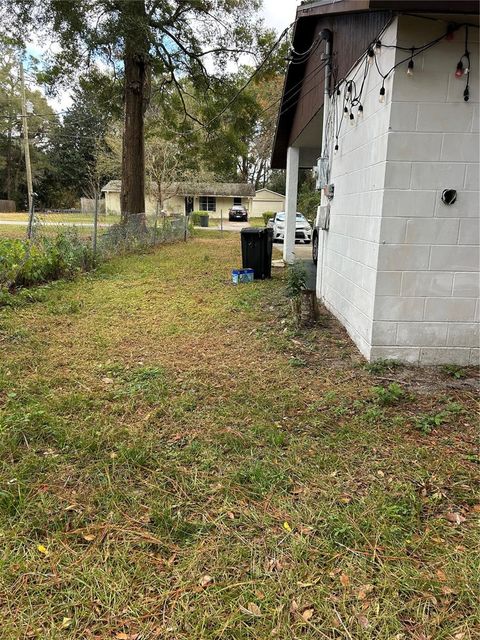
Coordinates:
[296,279]
[196,217]
[267,215]
[24,263]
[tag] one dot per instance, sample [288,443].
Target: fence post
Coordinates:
[95,228]
[185,227]
[221,219]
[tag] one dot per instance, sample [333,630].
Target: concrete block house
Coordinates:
[383,97]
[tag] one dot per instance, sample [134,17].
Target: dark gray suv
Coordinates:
[238,212]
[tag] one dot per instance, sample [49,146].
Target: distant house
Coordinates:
[185,197]
[391,124]
[267,200]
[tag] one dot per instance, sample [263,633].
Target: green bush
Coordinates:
[267,215]
[296,279]
[195,216]
[24,263]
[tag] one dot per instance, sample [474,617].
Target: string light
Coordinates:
[381,97]
[352,96]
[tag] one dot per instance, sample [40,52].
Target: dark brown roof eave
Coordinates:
[325,7]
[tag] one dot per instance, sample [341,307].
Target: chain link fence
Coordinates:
[59,243]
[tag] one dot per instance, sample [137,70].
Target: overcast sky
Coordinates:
[279,13]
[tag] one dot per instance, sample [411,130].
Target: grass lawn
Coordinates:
[177,461]
[66,218]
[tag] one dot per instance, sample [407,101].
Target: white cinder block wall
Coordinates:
[427,290]
[398,267]
[348,253]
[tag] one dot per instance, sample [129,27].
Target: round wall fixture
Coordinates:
[449,196]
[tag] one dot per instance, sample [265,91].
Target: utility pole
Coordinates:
[27,152]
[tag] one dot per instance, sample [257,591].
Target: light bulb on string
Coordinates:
[352,119]
[411,64]
[336,146]
[360,111]
[459,70]
[381,97]
[378,47]
[451,28]
[371,55]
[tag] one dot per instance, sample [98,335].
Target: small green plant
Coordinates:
[427,422]
[454,371]
[266,216]
[296,279]
[389,395]
[380,367]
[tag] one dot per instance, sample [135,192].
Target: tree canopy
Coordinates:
[172,40]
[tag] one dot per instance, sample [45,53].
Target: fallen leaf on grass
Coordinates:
[205,581]
[476,508]
[363,621]
[42,549]
[305,530]
[345,580]
[455,518]
[307,614]
[447,591]
[89,537]
[272,564]
[252,609]
[364,591]
[66,622]
[121,635]
[107,380]
[441,575]
[287,527]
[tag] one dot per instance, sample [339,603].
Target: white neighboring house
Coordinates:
[267,200]
[185,197]
[397,265]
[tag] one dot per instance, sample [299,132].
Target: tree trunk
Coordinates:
[136,96]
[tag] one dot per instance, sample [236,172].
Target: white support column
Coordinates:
[293,157]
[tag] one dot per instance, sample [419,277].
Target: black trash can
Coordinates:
[203,221]
[257,251]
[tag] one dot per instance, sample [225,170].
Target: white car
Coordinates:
[303,229]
